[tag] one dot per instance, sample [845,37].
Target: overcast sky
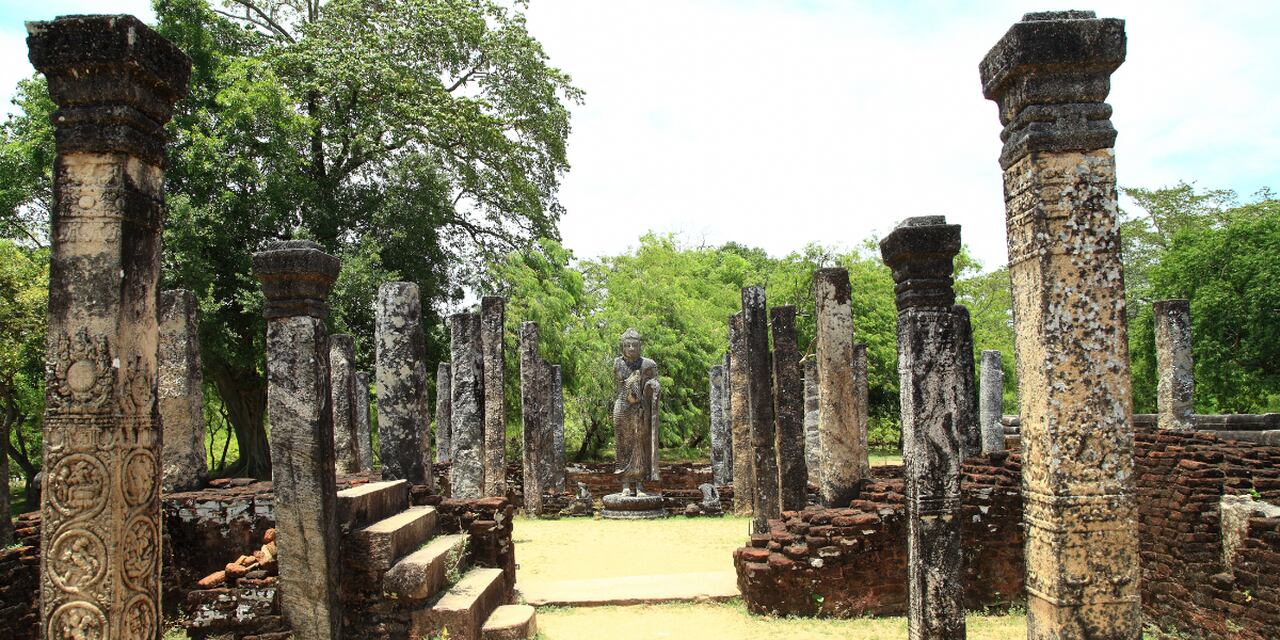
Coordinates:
[776,124]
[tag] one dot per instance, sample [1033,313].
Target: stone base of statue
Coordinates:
[622,507]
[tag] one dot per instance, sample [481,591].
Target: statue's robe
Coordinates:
[635,418]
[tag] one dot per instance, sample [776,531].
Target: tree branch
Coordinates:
[271,24]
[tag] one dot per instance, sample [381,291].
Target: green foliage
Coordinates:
[24,278]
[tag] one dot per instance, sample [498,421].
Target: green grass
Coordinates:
[886,456]
[18,498]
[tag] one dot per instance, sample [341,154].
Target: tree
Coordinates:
[24,277]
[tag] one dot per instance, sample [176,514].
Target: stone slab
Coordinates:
[463,609]
[365,504]
[425,572]
[511,622]
[380,544]
[708,586]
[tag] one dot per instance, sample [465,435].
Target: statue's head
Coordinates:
[631,344]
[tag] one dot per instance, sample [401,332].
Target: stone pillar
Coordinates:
[1049,76]
[842,436]
[493,316]
[115,82]
[766,501]
[812,446]
[721,438]
[401,376]
[364,439]
[920,251]
[534,416]
[466,437]
[1175,368]
[444,411]
[557,460]
[788,409]
[180,389]
[740,420]
[342,391]
[296,277]
[992,402]
[966,384]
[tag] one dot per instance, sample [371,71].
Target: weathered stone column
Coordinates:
[444,411]
[992,402]
[296,277]
[842,436]
[555,468]
[342,390]
[812,445]
[788,409]
[920,251]
[740,420]
[401,376]
[766,502]
[966,384]
[466,474]
[1050,75]
[493,316]
[364,439]
[1175,368]
[115,82]
[534,416]
[181,392]
[721,438]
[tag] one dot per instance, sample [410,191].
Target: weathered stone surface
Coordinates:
[1175,366]
[721,437]
[991,403]
[812,444]
[535,416]
[740,419]
[302,454]
[555,465]
[342,390]
[114,81]
[492,319]
[1050,75]
[842,410]
[444,411]
[635,413]
[966,384]
[364,435]
[619,506]
[920,252]
[401,377]
[766,501]
[788,409]
[466,475]
[180,388]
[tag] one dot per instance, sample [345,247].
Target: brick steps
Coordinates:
[463,609]
[378,546]
[365,504]
[423,573]
[511,622]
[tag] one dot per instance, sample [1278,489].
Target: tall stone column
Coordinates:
[966,384]
[766,502]
[342,391]
[493,316]
[788,409]
[812,445]
[534,417]
[1175,367]
[721,438]
[444,411]
[296,277]
[180,389]
[115,82]
[557,460]
[920,251]
[992,402]
[401,376]
[842,436]
[466,474]
[740,420]
[1050,75]
[364,439]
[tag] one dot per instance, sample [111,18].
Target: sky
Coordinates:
[777,124]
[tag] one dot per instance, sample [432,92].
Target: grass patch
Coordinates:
[885,456]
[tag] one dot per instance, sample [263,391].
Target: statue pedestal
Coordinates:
[620,507]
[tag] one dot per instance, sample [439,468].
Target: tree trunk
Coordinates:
[6,518]
[587,437]
[244,395]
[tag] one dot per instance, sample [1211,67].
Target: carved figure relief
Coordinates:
[78,486]
[138,480]
[140,550]
[140,619]
[80,377]
[77,560]
[77,621]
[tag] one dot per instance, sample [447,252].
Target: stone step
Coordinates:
[511,622]
[365,504]
[463,609]
[425,572]
[378,546]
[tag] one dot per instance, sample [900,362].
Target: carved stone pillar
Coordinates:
[766,502]
[966,384]
[444,411]
[1050,75]
[1175,367]
[466,474]
[493,316]
[115,82]
[534,417]
[788,409]
[721,444]
[920,251]
[296,277]
[991,403]
[181,393]
[740,419]
[555,463]
[364,441]
[342,389]
[401,374]
[812,444]
[842,435]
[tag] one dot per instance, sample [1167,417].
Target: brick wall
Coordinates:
[20,581]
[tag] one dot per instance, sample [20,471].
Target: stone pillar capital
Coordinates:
[921,252]
[296,277]
[1050,75]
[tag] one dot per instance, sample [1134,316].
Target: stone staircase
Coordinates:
[403,579]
